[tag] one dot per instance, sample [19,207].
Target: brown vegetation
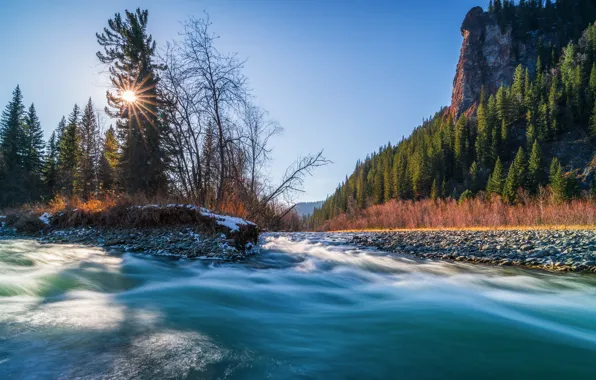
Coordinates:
[491,213]
[122,212]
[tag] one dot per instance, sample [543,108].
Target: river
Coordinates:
[309,306]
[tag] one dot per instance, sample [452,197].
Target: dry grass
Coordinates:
[116,211]
[472,214]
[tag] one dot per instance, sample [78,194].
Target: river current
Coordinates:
[309,306]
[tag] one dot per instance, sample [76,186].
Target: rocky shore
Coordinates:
[203,235]
[553,250]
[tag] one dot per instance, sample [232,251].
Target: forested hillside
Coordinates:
[522,119]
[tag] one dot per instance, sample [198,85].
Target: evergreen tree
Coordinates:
[515,177]
[483,137]
[461,145]
[435,191]
[108,162]
[12,151]
[517,89]
[130,51]
[33,154]
[69,156]
[468,194]
[535,168]
[496,179]
[593,121]
[89,151]
[557,180]
[473,179]
[50,167]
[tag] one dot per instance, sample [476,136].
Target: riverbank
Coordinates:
[567,250]
[162,230]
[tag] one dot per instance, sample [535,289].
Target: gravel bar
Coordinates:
[553,250]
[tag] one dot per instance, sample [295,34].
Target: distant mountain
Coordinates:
[307,208]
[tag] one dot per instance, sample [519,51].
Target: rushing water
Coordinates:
[309,306]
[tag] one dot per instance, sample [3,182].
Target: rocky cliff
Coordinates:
[489,56]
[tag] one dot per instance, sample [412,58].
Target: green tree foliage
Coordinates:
[69,155]
[535,168]
[88,136]
[108,162]
[129,51]
[516,177]
[496,179]
[50,168]
[468,194]
[33,147]
[12,151]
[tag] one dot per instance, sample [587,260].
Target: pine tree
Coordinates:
[129,51]
[516,176]
[553,106]
[50,168]
[593,121]
[557,180]
[496,179]
[473,179]
[69,156]
[108,162]
[461,145]
[33,154]
[535,168]
[89,151]
[592,82]
[531,134]
[435,191]
[483,137]
[517,89]
[12,151]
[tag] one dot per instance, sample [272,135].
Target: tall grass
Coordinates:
[471,213]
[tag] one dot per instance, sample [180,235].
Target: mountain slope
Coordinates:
[307,208]
[525,88]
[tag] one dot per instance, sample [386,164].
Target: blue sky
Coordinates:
[343,76]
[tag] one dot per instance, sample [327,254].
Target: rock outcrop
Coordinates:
[489,56]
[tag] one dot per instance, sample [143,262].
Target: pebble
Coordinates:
[555,250]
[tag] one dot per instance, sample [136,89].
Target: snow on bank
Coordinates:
[231,222]
[45,218]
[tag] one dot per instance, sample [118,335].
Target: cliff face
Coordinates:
[488,58]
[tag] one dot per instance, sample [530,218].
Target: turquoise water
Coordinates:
[308,307]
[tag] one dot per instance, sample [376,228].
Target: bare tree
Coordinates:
[258,132]
[219,140]
[221,83]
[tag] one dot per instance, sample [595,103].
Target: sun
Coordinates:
[129,96]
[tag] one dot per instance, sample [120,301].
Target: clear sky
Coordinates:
[343,76]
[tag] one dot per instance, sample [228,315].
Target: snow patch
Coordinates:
[231,222]
[45,218]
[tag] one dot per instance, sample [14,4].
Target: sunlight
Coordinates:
[129,96]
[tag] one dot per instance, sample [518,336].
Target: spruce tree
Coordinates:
[12,151]
[515,177]
[89,151]
[482,138]
[50,168]
[496,179]
[473,178]
[130,51]
[557,180]
[435,191]
[33,154]
[69,156]
[108,162]
[592,128]
[535,168]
